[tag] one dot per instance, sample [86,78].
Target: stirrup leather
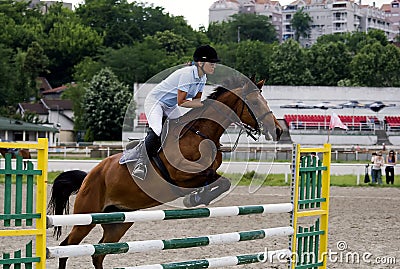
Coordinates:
[140,171]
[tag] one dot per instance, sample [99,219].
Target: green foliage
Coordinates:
[68,41]
[252,27]
[174,44]
[122,23]
[105,103]
[86,69]
[76,93]
[7,70]
[243,27]
[375,66]
[288,65]
[253,58]
[329,63]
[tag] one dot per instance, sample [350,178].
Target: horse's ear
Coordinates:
[253,78]
[260,84]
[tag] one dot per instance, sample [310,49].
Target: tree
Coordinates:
[252,27]
[301,24]
[67,44]
[253,58]
[391,60]
[105,103]
[243,27]
[8,97]
[122,23]
[86,69]
[366,66]
[218,32]
[376,66]
[20,25]
[288,65]
[35,64]
[76,92]
[329,63]
[174,44]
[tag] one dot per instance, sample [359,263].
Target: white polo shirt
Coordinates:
[185,79]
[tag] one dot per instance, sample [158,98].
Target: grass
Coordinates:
[279,180]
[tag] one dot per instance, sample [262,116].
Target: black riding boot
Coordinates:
[152,144]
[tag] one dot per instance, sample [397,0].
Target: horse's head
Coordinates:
[253,110]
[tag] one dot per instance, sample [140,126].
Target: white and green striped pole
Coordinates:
[154,245]
[156,215]
[262,257]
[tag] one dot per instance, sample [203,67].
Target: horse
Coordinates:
[191,154]
[24,153]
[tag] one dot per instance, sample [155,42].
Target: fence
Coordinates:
[34,223]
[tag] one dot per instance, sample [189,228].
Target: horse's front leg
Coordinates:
[204,195]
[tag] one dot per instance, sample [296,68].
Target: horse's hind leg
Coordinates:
[112,233]
[74,238]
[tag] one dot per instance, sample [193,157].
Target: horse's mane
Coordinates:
[217,92]
[229,84]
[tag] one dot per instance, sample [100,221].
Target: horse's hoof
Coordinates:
[196,198]
[188,201]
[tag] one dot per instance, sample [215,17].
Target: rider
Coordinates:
[184,88]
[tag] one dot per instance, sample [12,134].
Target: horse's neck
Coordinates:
[212,119]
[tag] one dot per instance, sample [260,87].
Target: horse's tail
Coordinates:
[65,185]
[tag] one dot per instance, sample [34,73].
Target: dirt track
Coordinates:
[366,219]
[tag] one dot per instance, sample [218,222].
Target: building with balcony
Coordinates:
[329,16]
[392,14]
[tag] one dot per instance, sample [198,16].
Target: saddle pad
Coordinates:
[131,155]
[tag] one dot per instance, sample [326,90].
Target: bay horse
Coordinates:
[24,153]
[190,153]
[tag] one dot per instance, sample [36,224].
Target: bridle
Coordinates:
[252,132]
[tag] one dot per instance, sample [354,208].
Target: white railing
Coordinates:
[320,126]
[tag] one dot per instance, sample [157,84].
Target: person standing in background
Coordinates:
[379,162]
[391,160]
[372,167]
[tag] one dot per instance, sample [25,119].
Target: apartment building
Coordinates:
[329,16]
[392,13]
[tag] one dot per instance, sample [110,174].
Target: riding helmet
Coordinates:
[205,53]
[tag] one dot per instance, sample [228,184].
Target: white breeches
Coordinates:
[155,110]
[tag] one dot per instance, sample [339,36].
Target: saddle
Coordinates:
[134,149]
[132,152]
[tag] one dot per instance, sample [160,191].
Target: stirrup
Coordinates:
[140,171]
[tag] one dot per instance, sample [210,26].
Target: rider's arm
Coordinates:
[196,102]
